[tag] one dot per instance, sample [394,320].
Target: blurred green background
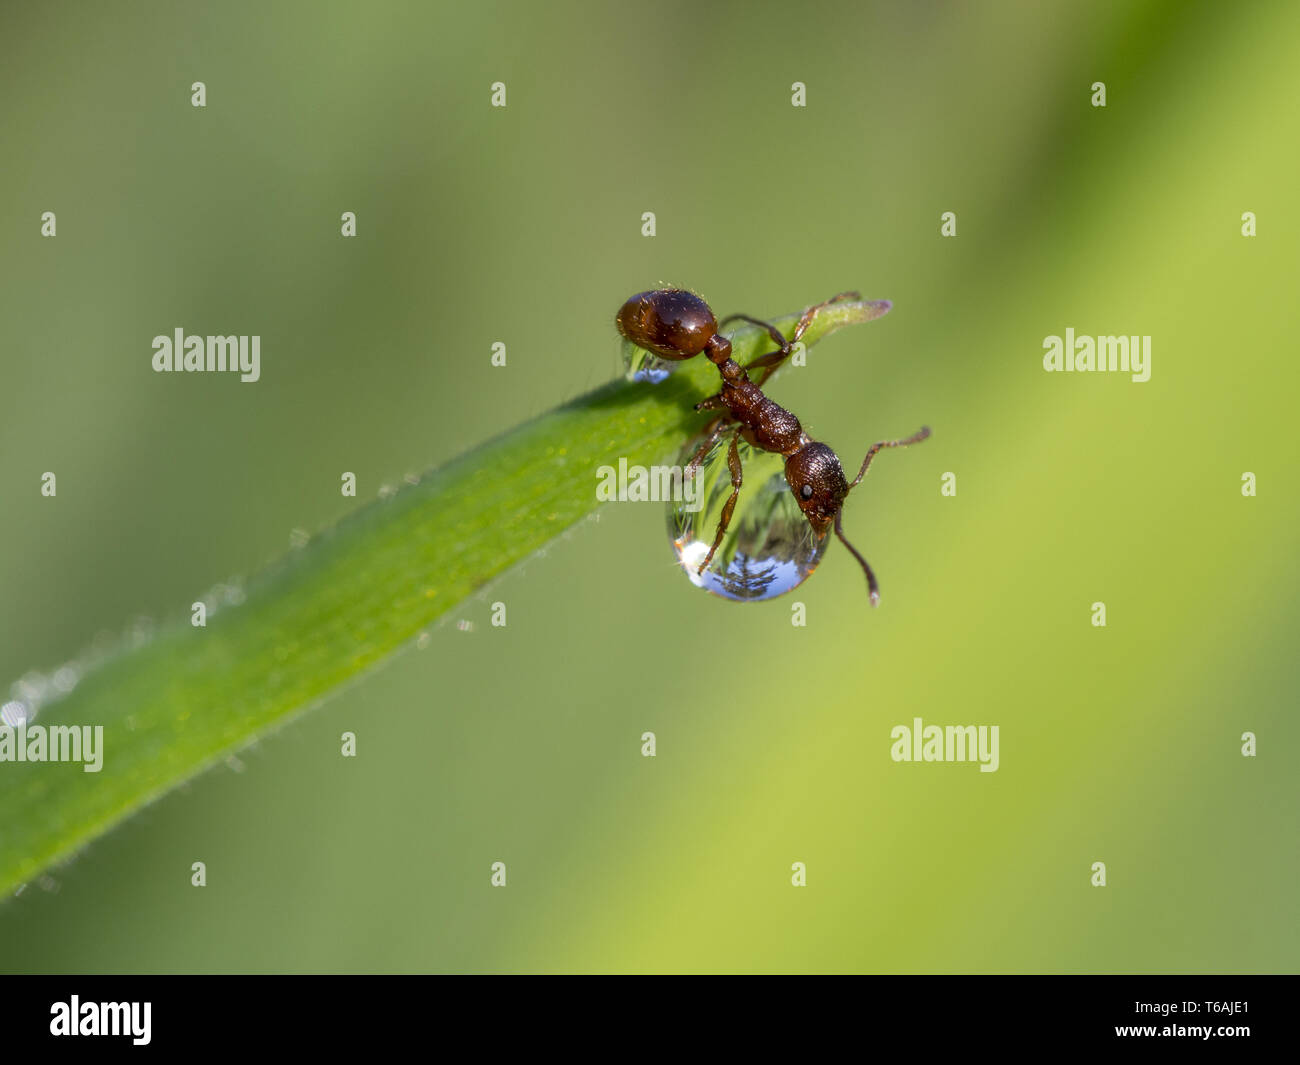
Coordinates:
[523,225]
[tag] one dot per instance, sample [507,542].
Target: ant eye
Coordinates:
[806,491]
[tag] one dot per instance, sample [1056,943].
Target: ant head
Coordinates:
[817,481]
[671,322]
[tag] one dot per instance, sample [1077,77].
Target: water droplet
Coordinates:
[643,365]
[769,548]
[32,688]
[65,679]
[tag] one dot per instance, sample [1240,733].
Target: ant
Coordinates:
[676,324]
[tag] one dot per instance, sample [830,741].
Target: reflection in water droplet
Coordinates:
[14,713]
[769,548]
[642,365]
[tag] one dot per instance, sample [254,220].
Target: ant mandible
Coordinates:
[676,324]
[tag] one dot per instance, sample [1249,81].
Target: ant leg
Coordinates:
[915,438]
[772,330]
[713,402]
[807,318]
[771,362]
[772,359]
[737,479]
[713,432]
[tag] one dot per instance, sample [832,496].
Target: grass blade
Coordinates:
[341,604]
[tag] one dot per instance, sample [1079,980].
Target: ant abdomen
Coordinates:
[671,322]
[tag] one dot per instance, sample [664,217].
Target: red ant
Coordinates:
[676,324]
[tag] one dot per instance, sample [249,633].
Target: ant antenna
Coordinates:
[915,438]
[872,587]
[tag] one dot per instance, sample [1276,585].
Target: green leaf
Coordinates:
[188,697]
